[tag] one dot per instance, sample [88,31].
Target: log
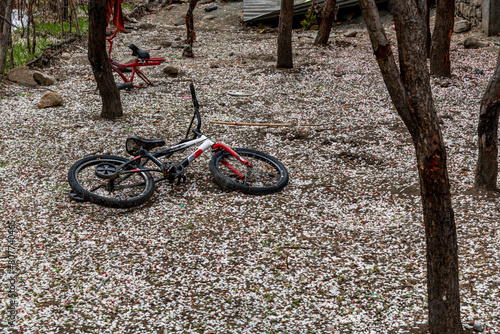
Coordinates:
[263,124]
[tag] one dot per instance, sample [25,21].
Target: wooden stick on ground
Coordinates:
[263,124]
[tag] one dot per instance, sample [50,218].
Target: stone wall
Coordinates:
[482,13]
[470,10]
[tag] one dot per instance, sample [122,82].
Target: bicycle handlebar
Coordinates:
[196,113]
[196,105]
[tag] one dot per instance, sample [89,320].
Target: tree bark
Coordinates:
[3,4]
[441,38]
[410,92]
[487,130]
[98,57]
[6,34]
[191,35]
[285,56]
[428,28]
[326,16]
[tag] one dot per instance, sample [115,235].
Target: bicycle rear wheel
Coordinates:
[267,175]
[125,191]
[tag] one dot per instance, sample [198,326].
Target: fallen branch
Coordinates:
[263,124]
[48,56]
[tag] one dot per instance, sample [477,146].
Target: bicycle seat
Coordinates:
[138,52]
[134,144]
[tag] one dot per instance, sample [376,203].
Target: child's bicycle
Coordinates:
[124,183]
[142,59]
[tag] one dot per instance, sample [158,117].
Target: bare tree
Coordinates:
[5,36]
[410,91]
[326,15]
[285,56]
[487,131]
[441,38]
[191,35]
[98,57]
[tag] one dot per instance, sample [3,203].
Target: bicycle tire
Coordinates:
[267,176]
[130,190]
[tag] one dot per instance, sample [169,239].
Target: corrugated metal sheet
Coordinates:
[259,10]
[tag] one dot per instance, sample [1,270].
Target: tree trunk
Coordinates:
[487,130]
[191,35]
[285,57]
[98,57]
[2,13]
[410,92]
[6,34]
[428,28]
[441,38]
[326,16]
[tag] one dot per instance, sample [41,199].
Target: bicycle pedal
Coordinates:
[75,197]
[179,178]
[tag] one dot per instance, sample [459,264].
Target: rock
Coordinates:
[461,26]
[330,328]
[171,71]
[180,22]
[478,327]
[210,17]
[165,44]
[177,45]
[214,65]
[50,99]
[474,43]
[65,56]
[21,75]
[43,79]
[147,26]
[178,38]
[211,8]
[351,33]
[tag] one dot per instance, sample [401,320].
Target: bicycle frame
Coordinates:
[145,156]
[117,67]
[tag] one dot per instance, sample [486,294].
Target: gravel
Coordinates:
[340,249]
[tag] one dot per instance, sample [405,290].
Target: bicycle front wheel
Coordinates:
[125,191]
[266,176]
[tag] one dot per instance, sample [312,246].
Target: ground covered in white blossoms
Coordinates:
[341,249]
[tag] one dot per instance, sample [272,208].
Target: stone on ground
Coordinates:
[22,75]
[474,43]
[43,79]
[50,99]
[461,26]
[171,71]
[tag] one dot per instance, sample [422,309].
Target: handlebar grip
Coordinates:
[193,93]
